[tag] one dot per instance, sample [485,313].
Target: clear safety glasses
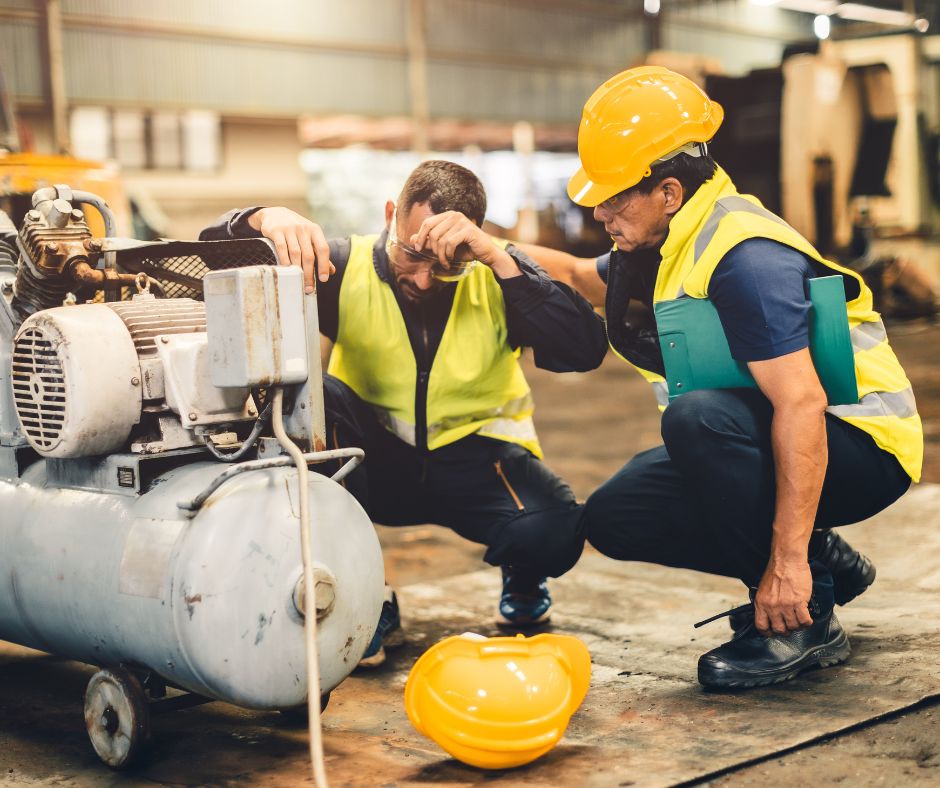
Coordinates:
[457,269]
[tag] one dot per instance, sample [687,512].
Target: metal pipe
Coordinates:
[56,75]
[349,466]
[418,76]
[310,594]
[110,226]
[82,272]
[356,456]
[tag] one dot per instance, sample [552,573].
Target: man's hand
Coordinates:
[298,242]
[451,236]
[782,601]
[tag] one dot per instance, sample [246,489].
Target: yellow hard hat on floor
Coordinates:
[634,119]
[498,702]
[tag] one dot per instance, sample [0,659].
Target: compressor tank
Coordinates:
[207,602]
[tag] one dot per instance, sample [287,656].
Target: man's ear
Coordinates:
[673,195]
[389,213]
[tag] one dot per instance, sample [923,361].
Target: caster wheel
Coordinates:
[297,715]
[117,716]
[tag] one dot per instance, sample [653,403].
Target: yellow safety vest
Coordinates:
[715,220]
[476,384]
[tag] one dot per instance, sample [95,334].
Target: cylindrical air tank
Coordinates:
[207,602]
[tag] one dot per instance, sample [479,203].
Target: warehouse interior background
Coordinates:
[198,106]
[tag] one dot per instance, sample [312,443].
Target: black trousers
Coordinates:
[491,492]
[705,499]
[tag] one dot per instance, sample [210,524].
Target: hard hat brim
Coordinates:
[583,191]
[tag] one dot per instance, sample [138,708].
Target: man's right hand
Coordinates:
[298,242]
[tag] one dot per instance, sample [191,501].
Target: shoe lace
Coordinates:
[814,611]
[749,607]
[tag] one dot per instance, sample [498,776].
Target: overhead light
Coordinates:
[816,7]
[857,12]
[651,6]
[822,27]
[854,12]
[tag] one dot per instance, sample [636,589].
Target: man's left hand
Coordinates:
[782,601]
[451,236]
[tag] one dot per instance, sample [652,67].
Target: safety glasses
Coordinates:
[457,269]
[616,203]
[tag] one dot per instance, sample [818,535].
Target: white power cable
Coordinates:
[310,596]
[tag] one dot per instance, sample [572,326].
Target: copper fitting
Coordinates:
[106,279]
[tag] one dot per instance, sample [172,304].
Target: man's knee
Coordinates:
[603,519]
[548,542]
[337,396]
[695,423]
[687,417]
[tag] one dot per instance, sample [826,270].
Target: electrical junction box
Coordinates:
[255,323]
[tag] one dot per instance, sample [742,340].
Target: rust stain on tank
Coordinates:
[191,602]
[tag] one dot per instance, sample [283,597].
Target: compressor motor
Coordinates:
[150,362]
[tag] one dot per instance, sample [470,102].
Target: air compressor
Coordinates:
[159,405]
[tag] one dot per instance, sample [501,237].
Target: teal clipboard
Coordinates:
[696,353]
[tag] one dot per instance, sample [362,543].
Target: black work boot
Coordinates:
[750,659]
[851,571]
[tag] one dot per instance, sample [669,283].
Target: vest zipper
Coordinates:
[421,391]
[499,472]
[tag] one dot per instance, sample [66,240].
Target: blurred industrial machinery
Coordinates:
[152,514]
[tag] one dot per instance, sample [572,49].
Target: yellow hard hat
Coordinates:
[634,119]
[498,702]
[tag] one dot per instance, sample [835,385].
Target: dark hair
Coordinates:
[444,186]
[690,171]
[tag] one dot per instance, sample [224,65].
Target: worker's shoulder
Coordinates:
[760,254]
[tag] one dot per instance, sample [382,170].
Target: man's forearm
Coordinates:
[230,225]
[559,325]
[798,433]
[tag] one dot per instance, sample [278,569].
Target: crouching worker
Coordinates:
[428,318]
[749,481]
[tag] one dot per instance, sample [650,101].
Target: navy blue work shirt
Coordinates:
[761,292]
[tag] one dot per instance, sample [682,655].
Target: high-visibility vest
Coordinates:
[715,220]
[475,384]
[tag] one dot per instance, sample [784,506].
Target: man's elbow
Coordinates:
[592,359]
[582,358]
[809,400]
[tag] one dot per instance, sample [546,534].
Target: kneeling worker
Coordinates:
[749,481]
[427,319]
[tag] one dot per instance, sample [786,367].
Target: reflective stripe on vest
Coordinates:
[713,221]
[475,384]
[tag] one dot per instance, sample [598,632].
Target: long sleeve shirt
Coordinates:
[560,326]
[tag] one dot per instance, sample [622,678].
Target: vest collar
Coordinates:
[695,212]
[380,258]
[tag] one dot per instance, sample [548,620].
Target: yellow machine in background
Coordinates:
[21,174]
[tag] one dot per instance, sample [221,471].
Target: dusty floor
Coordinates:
[645,721]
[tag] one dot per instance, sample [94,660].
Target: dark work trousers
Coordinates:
[705,500]
[491,492]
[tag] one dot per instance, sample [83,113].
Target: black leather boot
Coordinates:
[851,571]
[750,659]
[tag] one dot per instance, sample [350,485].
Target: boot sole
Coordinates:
[505,623]
[824,656]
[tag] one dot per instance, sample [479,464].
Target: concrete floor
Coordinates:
[645,720]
